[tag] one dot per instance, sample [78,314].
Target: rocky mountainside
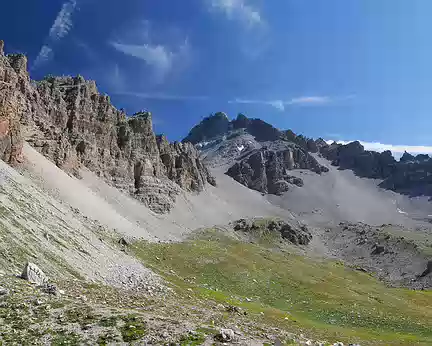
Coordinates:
[260,156]
[411,175]
[257,154]
[71,123]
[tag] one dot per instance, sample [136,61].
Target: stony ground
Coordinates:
[221,286]
[258,287]
[89,314]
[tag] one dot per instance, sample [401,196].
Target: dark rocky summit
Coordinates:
[263,163]
[71,123]
[218,125]
[260,156]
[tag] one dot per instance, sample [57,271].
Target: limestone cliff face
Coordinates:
[71,123]
[13,76]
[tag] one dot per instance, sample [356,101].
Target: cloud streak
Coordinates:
[297,101]
[162,96]
[63,22]
[238,10]
[161,58]
[60,29]
[397,150]
[157,56]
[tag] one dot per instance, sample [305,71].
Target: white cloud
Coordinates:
[281,105]
[60,28]
[63,23]
[158,56]
[45,54]
[238,10]
[162,96]
[309,100]
[161,57]
[397,150]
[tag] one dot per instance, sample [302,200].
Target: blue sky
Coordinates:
[337,69]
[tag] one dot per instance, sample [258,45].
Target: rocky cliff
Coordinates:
[259,155]
[71,123]
[13,75]
[267,169]
[411,175]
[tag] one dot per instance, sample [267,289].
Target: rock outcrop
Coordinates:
[258,154]
[364,163]
[266,169]
[411,175]
[13,78]
[306,143]
[71,123]
[297,234]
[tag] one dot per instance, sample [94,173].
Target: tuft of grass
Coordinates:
[61,338]
[110,321]
[322,299]
[192,339]
[134,328]
[107,338]
[83,315]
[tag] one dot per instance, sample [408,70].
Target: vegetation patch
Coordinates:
[60,338]
[134,328]
[324,299]
[110,321]
[82,315]
[192,339]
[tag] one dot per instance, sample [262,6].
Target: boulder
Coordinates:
[226,335]
[34,274]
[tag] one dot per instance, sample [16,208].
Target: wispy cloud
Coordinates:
[44,55]
[310,100]
[240,10]
[162,96]
[299,101]
[63,22]
[158,56]
[397,150]
[60,28]
[162,58]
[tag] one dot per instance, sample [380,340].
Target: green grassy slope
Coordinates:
[322,299]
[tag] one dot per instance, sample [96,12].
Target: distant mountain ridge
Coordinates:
[411,175]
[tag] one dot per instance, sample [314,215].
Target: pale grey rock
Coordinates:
[226,335]
[34,274]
